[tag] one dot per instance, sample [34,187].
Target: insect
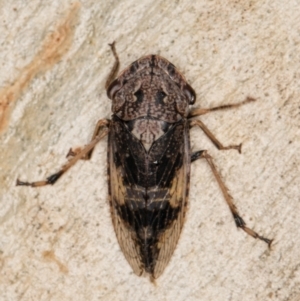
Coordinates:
[149,159]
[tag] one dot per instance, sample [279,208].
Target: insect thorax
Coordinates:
[151,87]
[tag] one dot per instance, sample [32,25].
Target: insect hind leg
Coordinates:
[240,223]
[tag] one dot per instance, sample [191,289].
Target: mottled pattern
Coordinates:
[149,161]
[147,130]
[151,87]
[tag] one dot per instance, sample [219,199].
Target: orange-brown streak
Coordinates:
[50,256]
[54,47]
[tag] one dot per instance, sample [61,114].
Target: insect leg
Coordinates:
[99,126]
[229,200]
[54,177]
[211,136]
[115,67]
[198,112]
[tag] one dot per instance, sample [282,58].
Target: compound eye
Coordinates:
[113,88]
[190,94]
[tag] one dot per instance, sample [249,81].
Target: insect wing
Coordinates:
[117,174]
[177,179]
[148,194]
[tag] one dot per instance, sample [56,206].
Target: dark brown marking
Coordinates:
[171,69]
[160,96]
[148,223]
[139,96]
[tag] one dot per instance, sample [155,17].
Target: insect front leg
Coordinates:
[84,152]
[200,111]
[114,71]
[229,200]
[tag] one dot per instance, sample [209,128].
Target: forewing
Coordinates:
[176,176]
[148,195]
[119,177]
